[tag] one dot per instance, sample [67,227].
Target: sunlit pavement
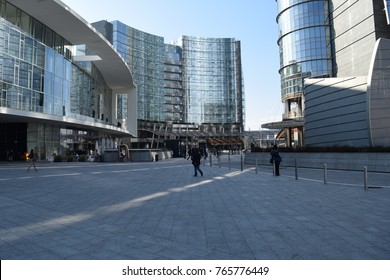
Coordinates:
[158,210]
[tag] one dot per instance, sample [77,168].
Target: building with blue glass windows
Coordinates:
[333,68]
[63,86]
[190,90]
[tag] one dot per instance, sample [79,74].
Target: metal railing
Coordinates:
[364,179]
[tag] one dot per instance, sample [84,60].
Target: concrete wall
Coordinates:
[375,162]
[354,36]
[148,155]
[336,112]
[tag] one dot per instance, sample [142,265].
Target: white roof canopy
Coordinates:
[67,23]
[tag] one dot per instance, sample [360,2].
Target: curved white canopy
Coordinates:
[67,23]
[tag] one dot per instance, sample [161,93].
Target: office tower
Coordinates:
[212,80]
[193,84]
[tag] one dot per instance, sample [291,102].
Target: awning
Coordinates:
[290,123]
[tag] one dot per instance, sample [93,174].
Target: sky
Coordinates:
[253,22]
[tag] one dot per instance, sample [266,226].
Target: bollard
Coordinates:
[273,168]
[325,174]
[256,165]
[229,161]
[211,160]
[365,178]
[242,163]
[296,170]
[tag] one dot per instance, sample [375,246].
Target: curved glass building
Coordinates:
[338,51]
[192,87]
[57,95]
[305,51]
[145,55]
[304,36]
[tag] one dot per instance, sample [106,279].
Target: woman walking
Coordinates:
[195,157]
[31,159]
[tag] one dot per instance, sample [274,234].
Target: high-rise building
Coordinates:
[145,55]
[212,80]
[192,87]
[333,69]
[57,95]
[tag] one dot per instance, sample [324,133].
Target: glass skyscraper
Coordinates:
[304,36]
[145,55]
[191,81]
[305,51]
[212,80]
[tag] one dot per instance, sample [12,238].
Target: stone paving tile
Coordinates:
[159,211]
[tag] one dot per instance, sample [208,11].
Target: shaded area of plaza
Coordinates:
[158,210]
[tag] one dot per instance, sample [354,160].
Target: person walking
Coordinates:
[276,159]
[10,155]
[195,157]
[31,159]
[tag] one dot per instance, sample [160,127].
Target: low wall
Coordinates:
[111,155]
[148,155]
[375,162]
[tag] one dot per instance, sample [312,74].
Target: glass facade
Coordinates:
[304,36]
[212,80]
[37,75]
[145,55]
[34,76]
[194,80]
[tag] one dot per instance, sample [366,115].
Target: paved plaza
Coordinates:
[158,210]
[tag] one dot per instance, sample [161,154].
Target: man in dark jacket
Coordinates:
[276,159]
[195,157]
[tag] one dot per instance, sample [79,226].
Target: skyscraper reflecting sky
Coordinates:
[304,37]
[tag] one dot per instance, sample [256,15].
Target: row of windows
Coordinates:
[135,45]
[32,70]
[284,4]
[303,42]
[208,43]
[121,29]
[37,78]
[303,52]
[209,56]
[293,75]
[34,28]
[302,16]
[173,69]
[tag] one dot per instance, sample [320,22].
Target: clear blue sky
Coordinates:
[253,22]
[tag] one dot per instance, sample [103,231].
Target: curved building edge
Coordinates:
[113,73]
[378,91]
